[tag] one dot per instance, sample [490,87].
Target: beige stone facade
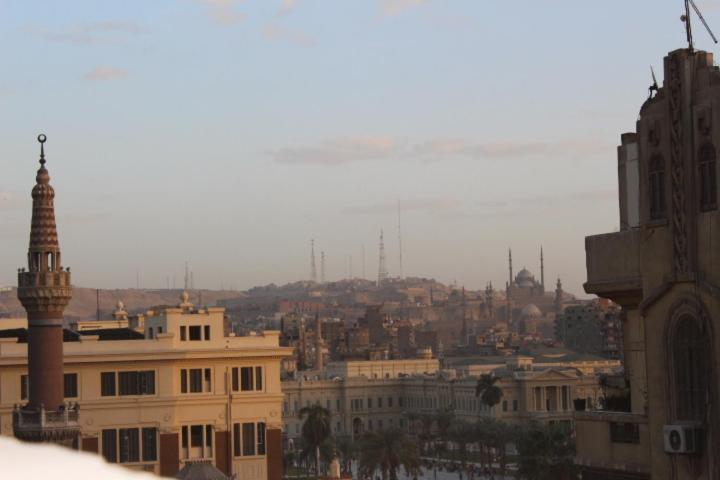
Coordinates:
[662,268]
[183,392]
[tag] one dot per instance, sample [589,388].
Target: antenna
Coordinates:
[400,242]
[382,270]
[654,87]
[685,18]
[313,269]
[322,266]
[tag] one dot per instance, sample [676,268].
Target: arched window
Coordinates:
[707,178]
[691,367]
[656,181]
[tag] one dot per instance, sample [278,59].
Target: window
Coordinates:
[107,384]
[504,406]
[109,445]
[24,387]
[337,404]
[400,402]
[207,332]
[248,379]
[656,180]
[71,385]
[624,432]
[183,333]
[390,402]
[150,333]
[136,382]
[708,177]
[515,405]
[130,445]
[196,441]
[248,438]
[261,438]
[380,402]
[196,436]
[195,333]
[691,366]
[369,403]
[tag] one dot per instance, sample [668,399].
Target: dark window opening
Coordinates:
[70,381]
[183,333]
[708,177]
[656,180]
[246,379]
[195,333]
[107,380]
[691,367]
[109,445]
[248,438]
[259,379]
[207,332]
[196,436]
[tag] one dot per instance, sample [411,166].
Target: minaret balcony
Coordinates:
[41,425]
[44,279]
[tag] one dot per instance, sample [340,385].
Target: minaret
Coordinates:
[44,291]
[318,343]
[558,297]
[313,268]
[510,280]
[382,270]
[542,270]
[490,302]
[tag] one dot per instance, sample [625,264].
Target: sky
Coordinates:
[228,134]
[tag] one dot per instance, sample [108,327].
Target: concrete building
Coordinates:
[662,268]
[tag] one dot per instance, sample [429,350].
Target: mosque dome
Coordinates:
[530,311]
[525,279]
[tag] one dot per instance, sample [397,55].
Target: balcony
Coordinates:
[39,425]
[613,441]
[613,266]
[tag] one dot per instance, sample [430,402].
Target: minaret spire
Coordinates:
[542,270]
[382,269]
[313,268]
[510,280]
[44,291]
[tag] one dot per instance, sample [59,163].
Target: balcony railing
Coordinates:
[39,424]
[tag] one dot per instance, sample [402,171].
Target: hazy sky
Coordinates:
[230,133]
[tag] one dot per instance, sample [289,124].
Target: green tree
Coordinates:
[315,430]
[462,434]
[489,393]
[387,451]
[444,419]
[346,449]
[545,452]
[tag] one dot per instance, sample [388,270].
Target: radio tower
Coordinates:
[322,267]
[382,270]
[313,268]
[400,242]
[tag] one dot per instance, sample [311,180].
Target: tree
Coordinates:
[444,419]
[346,448]
[545,452]
[387,451]
[315,430]
[462,434]
[489,393]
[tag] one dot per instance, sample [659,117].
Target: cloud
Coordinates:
[287,7]
[106,73]
[223,12]
[453,147]
[92,33]
[339,151]
[395,7]
[353,149]
[284,34]
[416,204]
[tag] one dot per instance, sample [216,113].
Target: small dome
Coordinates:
[531,311]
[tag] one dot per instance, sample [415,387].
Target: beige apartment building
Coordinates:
[381,395]
[170,390]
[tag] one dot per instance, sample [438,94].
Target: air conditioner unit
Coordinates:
[682,438]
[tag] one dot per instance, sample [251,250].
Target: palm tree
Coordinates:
[546,452]
[489,393]
[387,451]
[315,430]
[462,434]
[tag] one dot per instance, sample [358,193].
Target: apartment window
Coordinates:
[390,402]
[504,406]
[195,380]
[195,333]
[183,333]
[258,379]
[136,382]
[337,404]
[130,445]
[249,439]
[400,402]
[380,403]
[70,381]
[515,405]
[107,384]
[207,332]
[708,177]
[369,403]
[159,330]
[24,387]
[624,432]
[656,181]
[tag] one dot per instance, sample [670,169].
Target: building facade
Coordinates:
[662,268]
